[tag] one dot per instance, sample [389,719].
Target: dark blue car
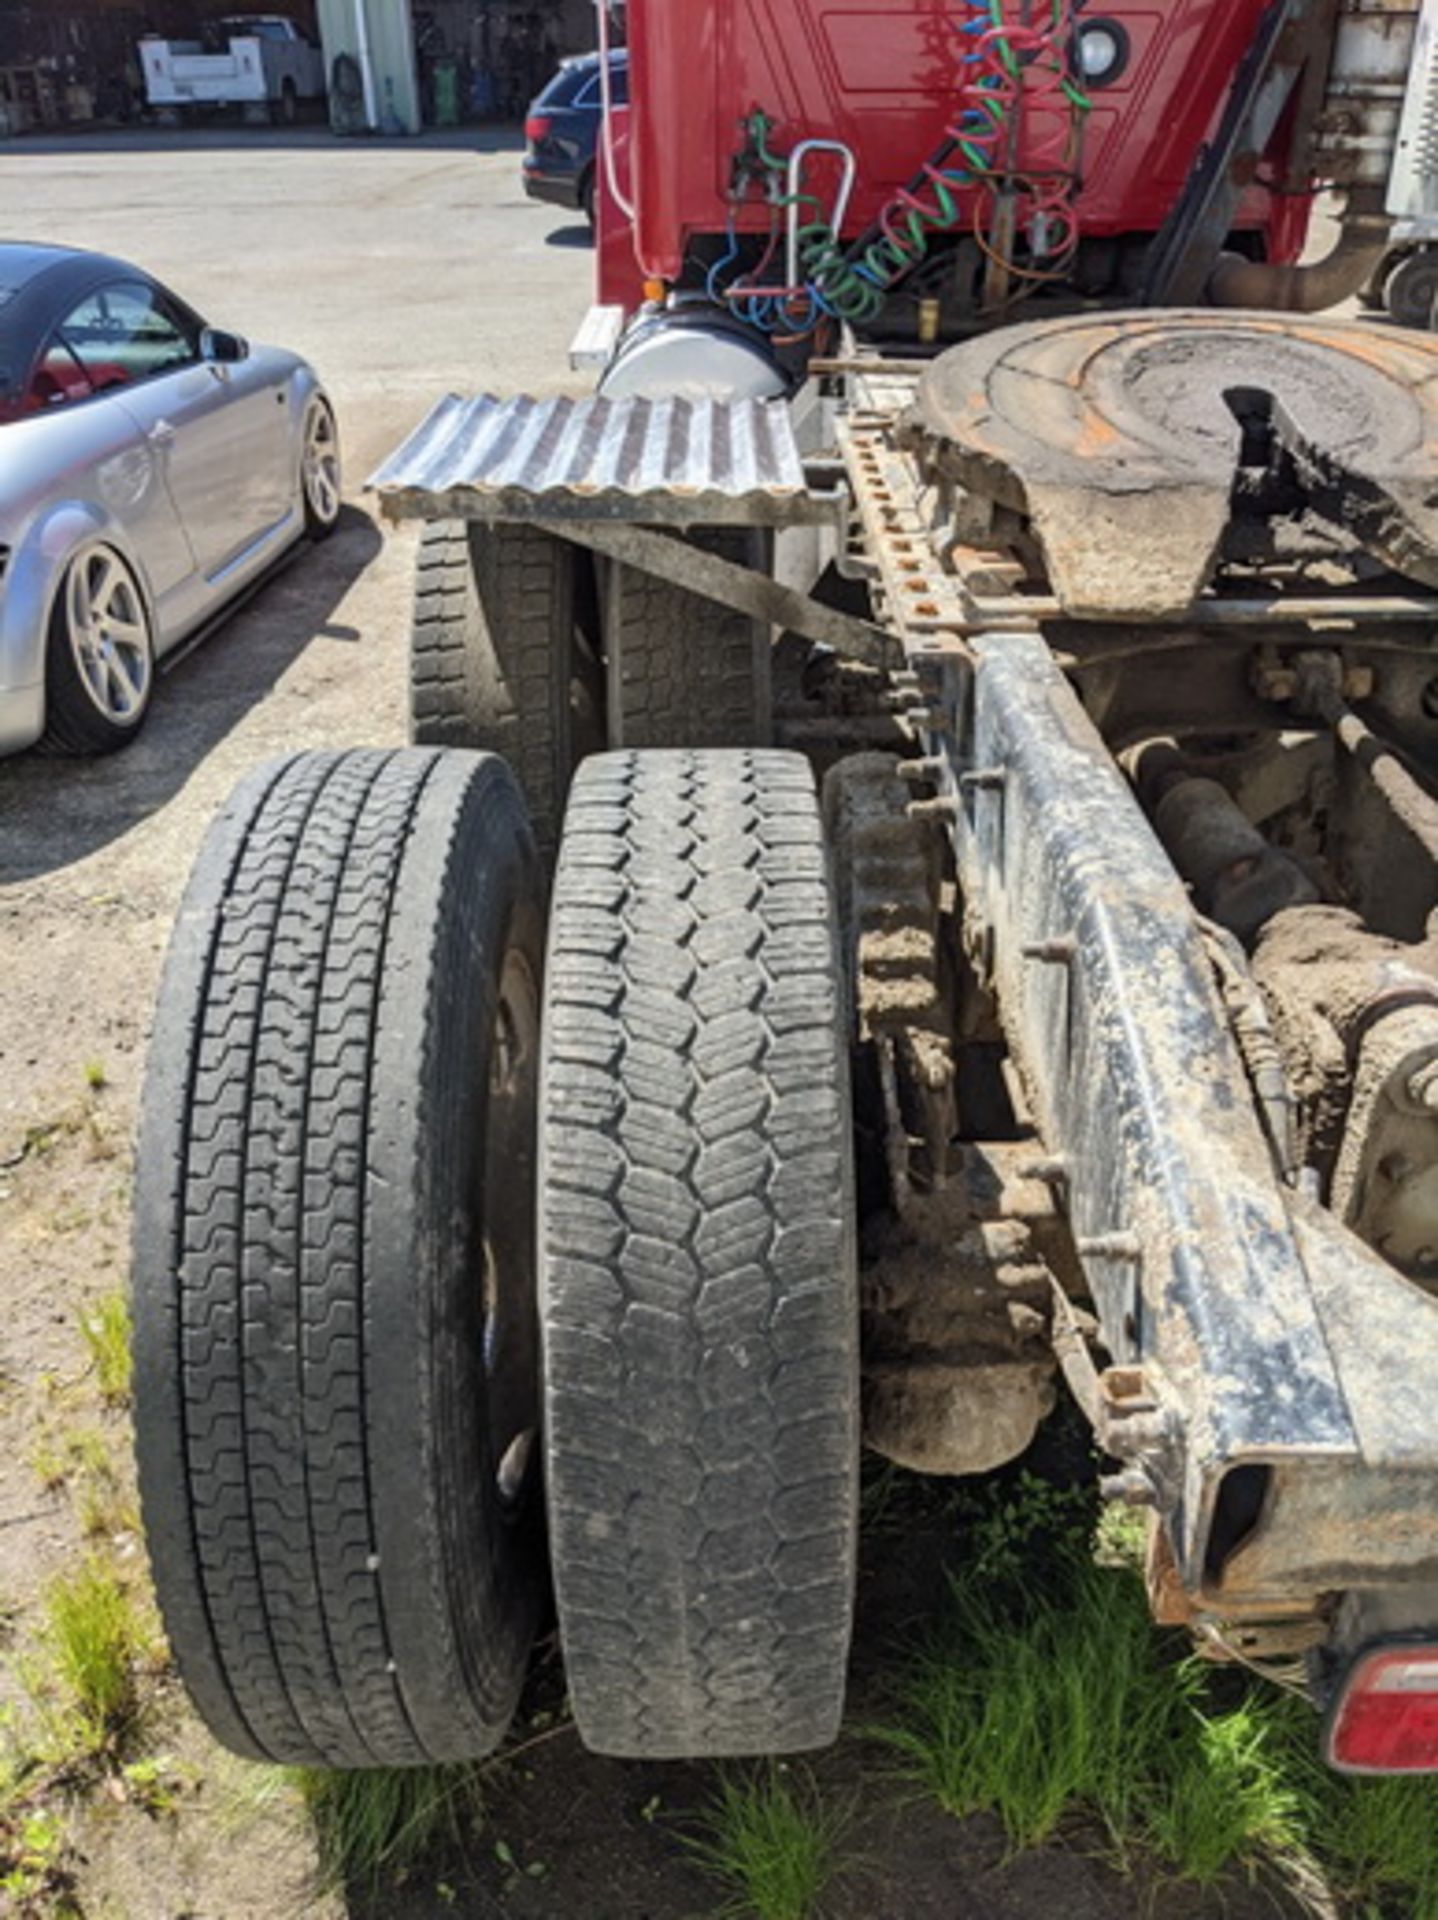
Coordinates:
[562,132]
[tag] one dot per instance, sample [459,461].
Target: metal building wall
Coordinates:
[389,28]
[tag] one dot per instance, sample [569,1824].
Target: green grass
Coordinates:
[382,1823]
[105,1327]
[1047,1692]
[1228,1795]
[99,1644]
[1375,1840]
[772,1841]
[1073,1703]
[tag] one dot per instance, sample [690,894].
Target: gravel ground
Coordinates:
[402,271]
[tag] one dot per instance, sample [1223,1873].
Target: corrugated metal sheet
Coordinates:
[599,459]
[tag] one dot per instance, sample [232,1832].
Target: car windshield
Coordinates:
[243,26]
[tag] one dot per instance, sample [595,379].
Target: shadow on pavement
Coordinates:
[569,237]
[56,810]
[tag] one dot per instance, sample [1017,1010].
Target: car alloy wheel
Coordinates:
[109,635]
[320,469]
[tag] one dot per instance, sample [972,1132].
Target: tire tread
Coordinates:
[687,672]
[697,1260]
[256,1374]
[490,654]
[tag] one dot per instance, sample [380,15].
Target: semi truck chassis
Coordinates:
[1106,935]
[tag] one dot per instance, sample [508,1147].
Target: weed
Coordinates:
[770,1838]
[386,1820]
[85,1461]
[35,1875]
[50,1463]
[1121,1536]
[96,1078]
[1377,1840]
[156,1785]
[1031,1715]
[105,1508]
[515,1875]
[1229,1796]
[1040,1696]
[98,1643]
[1013,1527]
[106,1330]
[83,1450]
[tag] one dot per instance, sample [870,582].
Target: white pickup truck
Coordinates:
[261,62]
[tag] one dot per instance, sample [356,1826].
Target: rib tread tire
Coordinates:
[686,672]
[697,1279]
[334,1581]
[492,654]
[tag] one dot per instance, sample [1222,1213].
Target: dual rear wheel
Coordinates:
[522,644]
[452,1237]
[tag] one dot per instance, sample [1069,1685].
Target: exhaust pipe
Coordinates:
[1354,139]
[1362,242]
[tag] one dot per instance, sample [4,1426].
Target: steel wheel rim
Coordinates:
[322,465]
[511,1330]
[109,634]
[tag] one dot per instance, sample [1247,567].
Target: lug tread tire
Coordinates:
[324,1549]
[697,1280]
[687,672]
[491,654]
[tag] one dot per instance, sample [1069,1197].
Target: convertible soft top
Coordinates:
[38,286]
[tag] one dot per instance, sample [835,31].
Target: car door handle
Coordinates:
[161,434]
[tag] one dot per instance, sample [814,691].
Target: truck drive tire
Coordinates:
[1411,288]
[335,1344]
[697,1264]
[497,659]
[682,670]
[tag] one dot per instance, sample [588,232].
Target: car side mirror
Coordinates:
[223,348]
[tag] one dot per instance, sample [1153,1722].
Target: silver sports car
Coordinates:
[151,468]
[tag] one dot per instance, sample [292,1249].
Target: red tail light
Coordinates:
[1386,1718]
[536,128]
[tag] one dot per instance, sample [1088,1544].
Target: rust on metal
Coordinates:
[1120,438]
[958,1362]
